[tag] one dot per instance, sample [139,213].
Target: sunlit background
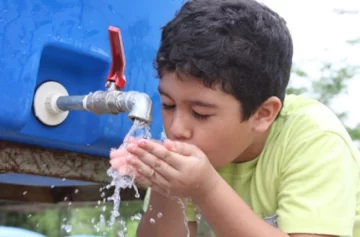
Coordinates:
[325,31]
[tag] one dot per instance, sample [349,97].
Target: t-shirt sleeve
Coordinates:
[318,182]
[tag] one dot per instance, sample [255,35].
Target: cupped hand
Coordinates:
[118,161]
[172,168]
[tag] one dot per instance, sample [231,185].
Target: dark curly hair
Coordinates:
[241,45]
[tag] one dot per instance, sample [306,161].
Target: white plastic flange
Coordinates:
[44,104]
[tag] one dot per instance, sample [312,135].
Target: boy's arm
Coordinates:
[317,195]
[171,222]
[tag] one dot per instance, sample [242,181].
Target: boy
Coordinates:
[253,161]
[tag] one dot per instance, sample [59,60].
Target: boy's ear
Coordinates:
[266,114]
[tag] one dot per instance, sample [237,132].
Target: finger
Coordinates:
[160,190]
[152,162]
[158,180]
[161,152]
[145,183]
[121,151]
[146,157]
[142,181]
[127,140]
[182,148]
[115,153]
[140,167]
[122,167]
[137,152]
[116,163]
[149,173]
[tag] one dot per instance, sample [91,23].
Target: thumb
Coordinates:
[181,148]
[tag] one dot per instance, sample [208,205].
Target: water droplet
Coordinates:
[24,193]
[198,218]
[76,190]
[136,217]
[183,207]
[159,215]
[67,228]
[162,137]
[63,179]
[102,220]
[52,186]
[152,221]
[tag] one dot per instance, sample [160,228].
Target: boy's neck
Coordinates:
[255,149]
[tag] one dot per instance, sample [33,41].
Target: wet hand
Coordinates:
[172,168]
[118,161]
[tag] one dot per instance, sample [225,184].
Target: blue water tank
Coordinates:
[67,41]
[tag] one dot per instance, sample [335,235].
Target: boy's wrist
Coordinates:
[210,184]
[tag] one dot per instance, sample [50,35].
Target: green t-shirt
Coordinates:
[306,180]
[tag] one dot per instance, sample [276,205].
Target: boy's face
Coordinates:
[208,118]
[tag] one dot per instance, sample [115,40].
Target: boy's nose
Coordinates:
[179,129]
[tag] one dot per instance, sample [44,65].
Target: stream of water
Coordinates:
[139,130]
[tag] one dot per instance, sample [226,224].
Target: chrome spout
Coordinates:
[138,105]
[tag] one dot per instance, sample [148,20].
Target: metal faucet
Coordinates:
[52,108]
[138,105]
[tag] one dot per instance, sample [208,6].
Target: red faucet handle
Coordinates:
[116,74]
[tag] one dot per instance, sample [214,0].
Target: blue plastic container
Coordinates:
[67,41]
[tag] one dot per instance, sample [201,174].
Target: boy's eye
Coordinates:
[195,114]
[168,107]
[200,116]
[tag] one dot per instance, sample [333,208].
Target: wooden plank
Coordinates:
[26,159]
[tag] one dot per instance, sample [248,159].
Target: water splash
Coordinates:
[136,217]
[152,221]
[139,130]
[183,204]
[159,215]
[67,228]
